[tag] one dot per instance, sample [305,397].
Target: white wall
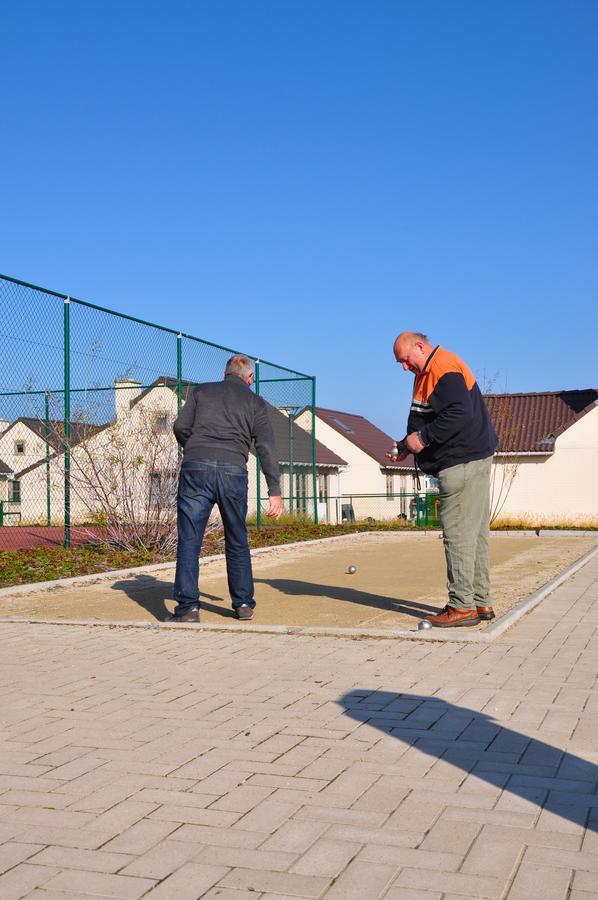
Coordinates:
[563,486]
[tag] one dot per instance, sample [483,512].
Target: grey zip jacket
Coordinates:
[221,419]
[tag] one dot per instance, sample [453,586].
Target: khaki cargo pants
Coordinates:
[464,516]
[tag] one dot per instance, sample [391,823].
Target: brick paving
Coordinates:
[188,764]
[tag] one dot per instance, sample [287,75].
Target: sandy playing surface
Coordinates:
[400,579]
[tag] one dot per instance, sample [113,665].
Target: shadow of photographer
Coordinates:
[542,776]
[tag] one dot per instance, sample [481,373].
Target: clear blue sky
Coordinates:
[304,179]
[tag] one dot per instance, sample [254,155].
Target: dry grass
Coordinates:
[529,520]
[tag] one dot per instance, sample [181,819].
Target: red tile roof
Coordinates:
[365,435]
[530,423]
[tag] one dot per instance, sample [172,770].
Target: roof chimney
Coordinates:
[124,393]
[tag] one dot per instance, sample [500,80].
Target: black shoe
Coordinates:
[244,611]
[191,616]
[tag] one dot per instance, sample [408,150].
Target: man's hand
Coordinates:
[413,442]
[275,508]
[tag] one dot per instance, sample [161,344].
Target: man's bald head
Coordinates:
[411,350]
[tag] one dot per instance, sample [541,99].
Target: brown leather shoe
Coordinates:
[191,616]
[450,617]
[485,612]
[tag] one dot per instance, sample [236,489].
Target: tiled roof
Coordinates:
[4,468]
[301,443]
[365,435]
[530,423]
[79,430]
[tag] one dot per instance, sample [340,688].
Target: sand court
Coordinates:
[399,579]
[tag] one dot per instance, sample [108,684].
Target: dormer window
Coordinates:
[20,448]
[162,423]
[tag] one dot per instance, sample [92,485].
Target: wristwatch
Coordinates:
[419,434]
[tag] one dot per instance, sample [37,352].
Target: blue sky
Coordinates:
[303,180]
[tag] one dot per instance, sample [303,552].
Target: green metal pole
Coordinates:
[179,371]
[258,465]
[291,465]
[47,438]
[67,422]
[313,448]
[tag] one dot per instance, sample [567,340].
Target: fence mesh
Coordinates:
[87,401]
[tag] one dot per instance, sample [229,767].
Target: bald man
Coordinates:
[450,431]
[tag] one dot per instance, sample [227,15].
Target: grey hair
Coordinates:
[239,365]
[420,336]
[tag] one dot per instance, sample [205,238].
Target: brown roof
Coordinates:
[4,468]
[79,430]
[530,423]
[365,435]
[301,443]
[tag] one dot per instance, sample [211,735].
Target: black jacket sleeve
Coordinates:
[263,438]
[451,401]
[183,424]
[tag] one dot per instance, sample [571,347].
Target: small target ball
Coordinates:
[424,625]
[351,570]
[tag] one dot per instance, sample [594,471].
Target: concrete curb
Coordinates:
[480,637]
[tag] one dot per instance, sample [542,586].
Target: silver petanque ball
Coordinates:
[351,570]
[424,625]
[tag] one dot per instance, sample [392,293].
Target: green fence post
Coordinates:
[47,439]
[67,423]
[313,448]
[258,465]
[179,372]
[1,512]
[291,461]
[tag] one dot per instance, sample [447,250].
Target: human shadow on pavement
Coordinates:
[295,588]
[151,593]
[541,776]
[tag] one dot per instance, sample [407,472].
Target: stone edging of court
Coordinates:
[491,632]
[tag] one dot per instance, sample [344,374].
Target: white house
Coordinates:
[370,485]
[546,467]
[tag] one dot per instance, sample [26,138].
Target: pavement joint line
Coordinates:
[96,577]
[526,605]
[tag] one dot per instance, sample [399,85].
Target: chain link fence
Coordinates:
[87,401]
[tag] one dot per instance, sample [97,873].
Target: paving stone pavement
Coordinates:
[245,766]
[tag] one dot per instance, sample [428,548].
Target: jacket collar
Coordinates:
[429,359]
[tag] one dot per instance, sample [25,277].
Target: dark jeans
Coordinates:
[203,483]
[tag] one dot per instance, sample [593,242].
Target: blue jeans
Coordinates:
[203,483]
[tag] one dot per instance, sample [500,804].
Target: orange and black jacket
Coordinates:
[449,412]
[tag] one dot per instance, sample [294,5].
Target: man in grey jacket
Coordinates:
[216,427]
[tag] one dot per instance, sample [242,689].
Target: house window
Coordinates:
[162,423]
[15,491]
[322,488]
[300,492]
[162,489]
[390,485]
[20,448]
[155,489]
